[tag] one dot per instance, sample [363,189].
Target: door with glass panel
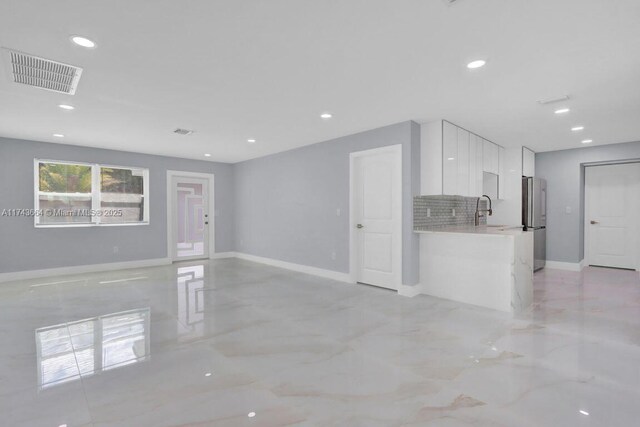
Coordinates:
[190,218]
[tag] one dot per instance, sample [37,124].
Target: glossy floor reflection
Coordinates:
[233,343]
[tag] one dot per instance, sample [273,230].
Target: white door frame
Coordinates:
[171,247]
[353,259]
[586,224]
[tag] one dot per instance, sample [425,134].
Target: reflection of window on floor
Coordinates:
[190,304]
[69,351]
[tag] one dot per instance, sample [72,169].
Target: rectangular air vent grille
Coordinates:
[553,100]
[43,73]
[183,131]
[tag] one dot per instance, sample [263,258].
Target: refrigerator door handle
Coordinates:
[531,195]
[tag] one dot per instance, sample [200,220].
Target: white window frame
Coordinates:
[95,194]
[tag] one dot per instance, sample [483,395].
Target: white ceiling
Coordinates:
[238,69]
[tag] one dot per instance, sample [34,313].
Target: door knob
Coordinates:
[594,222]
[359,226]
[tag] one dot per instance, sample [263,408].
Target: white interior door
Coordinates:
[190,214]
[377,216]
[612,200]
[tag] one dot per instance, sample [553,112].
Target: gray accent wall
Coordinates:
[24,247]
[564,172]
[287,203]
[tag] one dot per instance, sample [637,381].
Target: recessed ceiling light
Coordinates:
[66,107]
[208,374]
[562,111]
[451,158]
[251,414]
[583,412]
[251,141]
[587,141]
[476,64]
[577,128]
[326,115]
[58,135]
[207,155]
[83,41]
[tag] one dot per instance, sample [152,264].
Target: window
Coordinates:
[64,189]
[80,194]
[122,190]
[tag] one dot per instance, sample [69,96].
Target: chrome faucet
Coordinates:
[478,210]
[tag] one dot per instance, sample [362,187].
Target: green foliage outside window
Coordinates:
[69,178]
[120,181]
[65,178]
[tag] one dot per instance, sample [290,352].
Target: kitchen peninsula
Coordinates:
[482,265]
[488,266]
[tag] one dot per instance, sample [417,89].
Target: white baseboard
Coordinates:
[223,255]
[81,269]
[328,274]
[569,266]
[409,291]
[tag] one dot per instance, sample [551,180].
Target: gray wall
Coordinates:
[564,172]
[286,203]
[23,247]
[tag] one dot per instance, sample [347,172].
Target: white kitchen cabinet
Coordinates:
[502,176]
[487,162]
[472,165]
[453,160]
[449,159]
[495,155]
[528,162]
[463,187]
[491,157]
[479,168]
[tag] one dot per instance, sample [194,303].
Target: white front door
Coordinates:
[190,204]
[612,201]
[377,216]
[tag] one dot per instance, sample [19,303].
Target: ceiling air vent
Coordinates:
[553,100]
[43,73]
[183,131]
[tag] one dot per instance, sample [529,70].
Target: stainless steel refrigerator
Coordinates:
[534,217]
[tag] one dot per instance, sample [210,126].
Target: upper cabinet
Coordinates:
[453,160]
[491,157]
[449,159]
[464,166]
[502,175]
[528,162]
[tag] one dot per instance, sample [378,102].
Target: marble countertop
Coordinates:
[491,230]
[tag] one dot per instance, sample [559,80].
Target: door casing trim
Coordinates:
[212,224]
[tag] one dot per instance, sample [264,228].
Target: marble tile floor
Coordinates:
[234,343]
